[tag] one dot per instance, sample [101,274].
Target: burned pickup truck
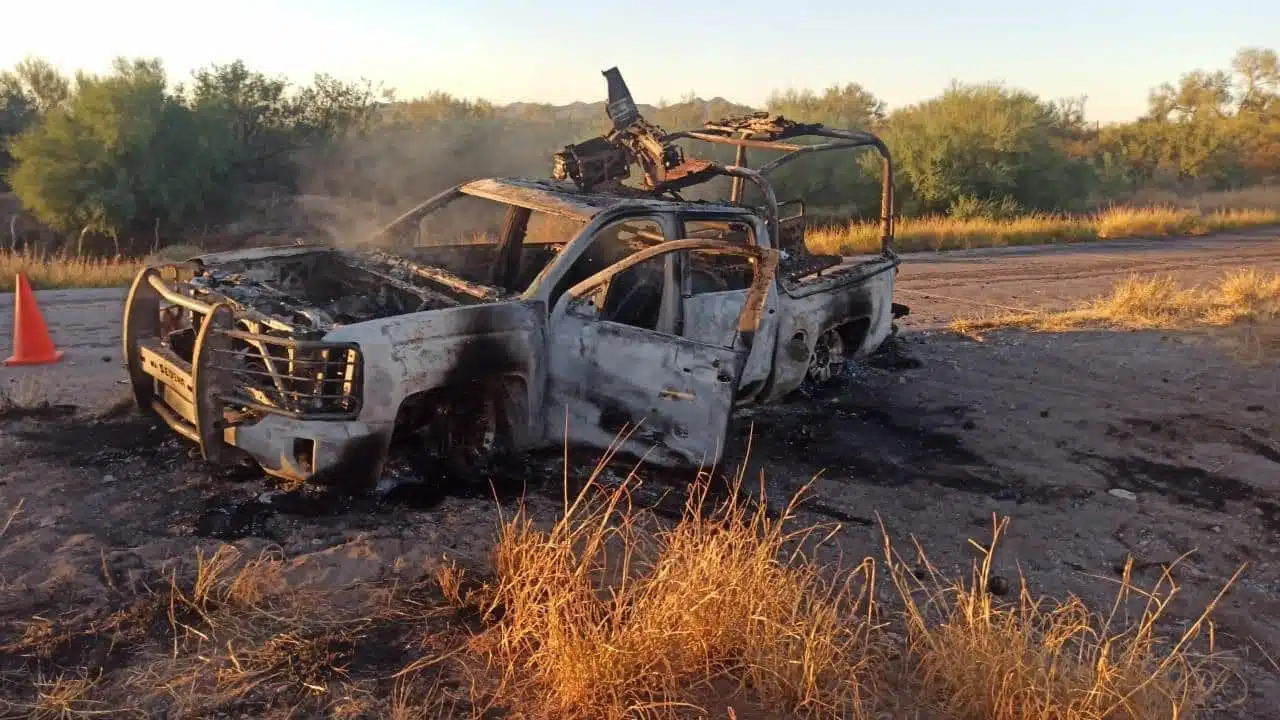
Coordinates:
[586,309]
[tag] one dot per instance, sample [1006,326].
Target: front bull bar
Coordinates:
[186,395]
[200,399]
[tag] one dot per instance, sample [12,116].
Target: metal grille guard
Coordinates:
[233,374]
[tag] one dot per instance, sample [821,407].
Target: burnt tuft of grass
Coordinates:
[227,634]
[243,638]
[29,397]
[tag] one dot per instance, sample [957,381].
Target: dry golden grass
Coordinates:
[1165,221]
[47,272]
[605,615]
[1148,222]
[1150,214]
[1220,220]
[1032,659]
[1245,300]
[1258,197]
[608,612]
[945,233]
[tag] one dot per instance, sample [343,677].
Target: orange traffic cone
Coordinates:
[31,342]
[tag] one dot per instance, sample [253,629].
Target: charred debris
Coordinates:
[313,290]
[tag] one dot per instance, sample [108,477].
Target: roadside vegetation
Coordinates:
[1115,223]
[1243,306]
[610,612]
[977,165]
[63,270]
[1245,295]
[47,272]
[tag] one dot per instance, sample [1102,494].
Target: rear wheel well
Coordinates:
[854,333]
[833,348]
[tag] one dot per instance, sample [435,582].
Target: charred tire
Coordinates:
[471,430]
[828,357]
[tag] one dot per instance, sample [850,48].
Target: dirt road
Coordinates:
[85,325]
[934,438]
[1057,276]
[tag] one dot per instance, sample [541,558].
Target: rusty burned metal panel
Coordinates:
[451,347]
[563,198]
[556,198]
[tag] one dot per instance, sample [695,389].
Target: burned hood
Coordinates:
[249,255]
[312,290]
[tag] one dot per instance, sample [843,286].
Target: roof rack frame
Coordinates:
[841,140]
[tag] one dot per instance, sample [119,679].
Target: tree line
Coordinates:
[127,154]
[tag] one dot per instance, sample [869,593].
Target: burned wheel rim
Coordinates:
[477,434]
[828,357]
[467,432]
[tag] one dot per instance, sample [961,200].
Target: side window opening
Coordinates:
[613,242]
[649,296]
[635,295]
[489,242]
[719,272]
[715,289]
[728,230]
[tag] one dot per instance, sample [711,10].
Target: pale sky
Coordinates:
[553,50]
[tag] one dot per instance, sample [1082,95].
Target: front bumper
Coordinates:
[291,405]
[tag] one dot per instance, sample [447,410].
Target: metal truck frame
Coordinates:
[251,368]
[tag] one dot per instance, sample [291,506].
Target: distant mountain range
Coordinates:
[595,111]
[683,113]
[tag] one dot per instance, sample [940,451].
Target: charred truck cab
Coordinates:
[589,310]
